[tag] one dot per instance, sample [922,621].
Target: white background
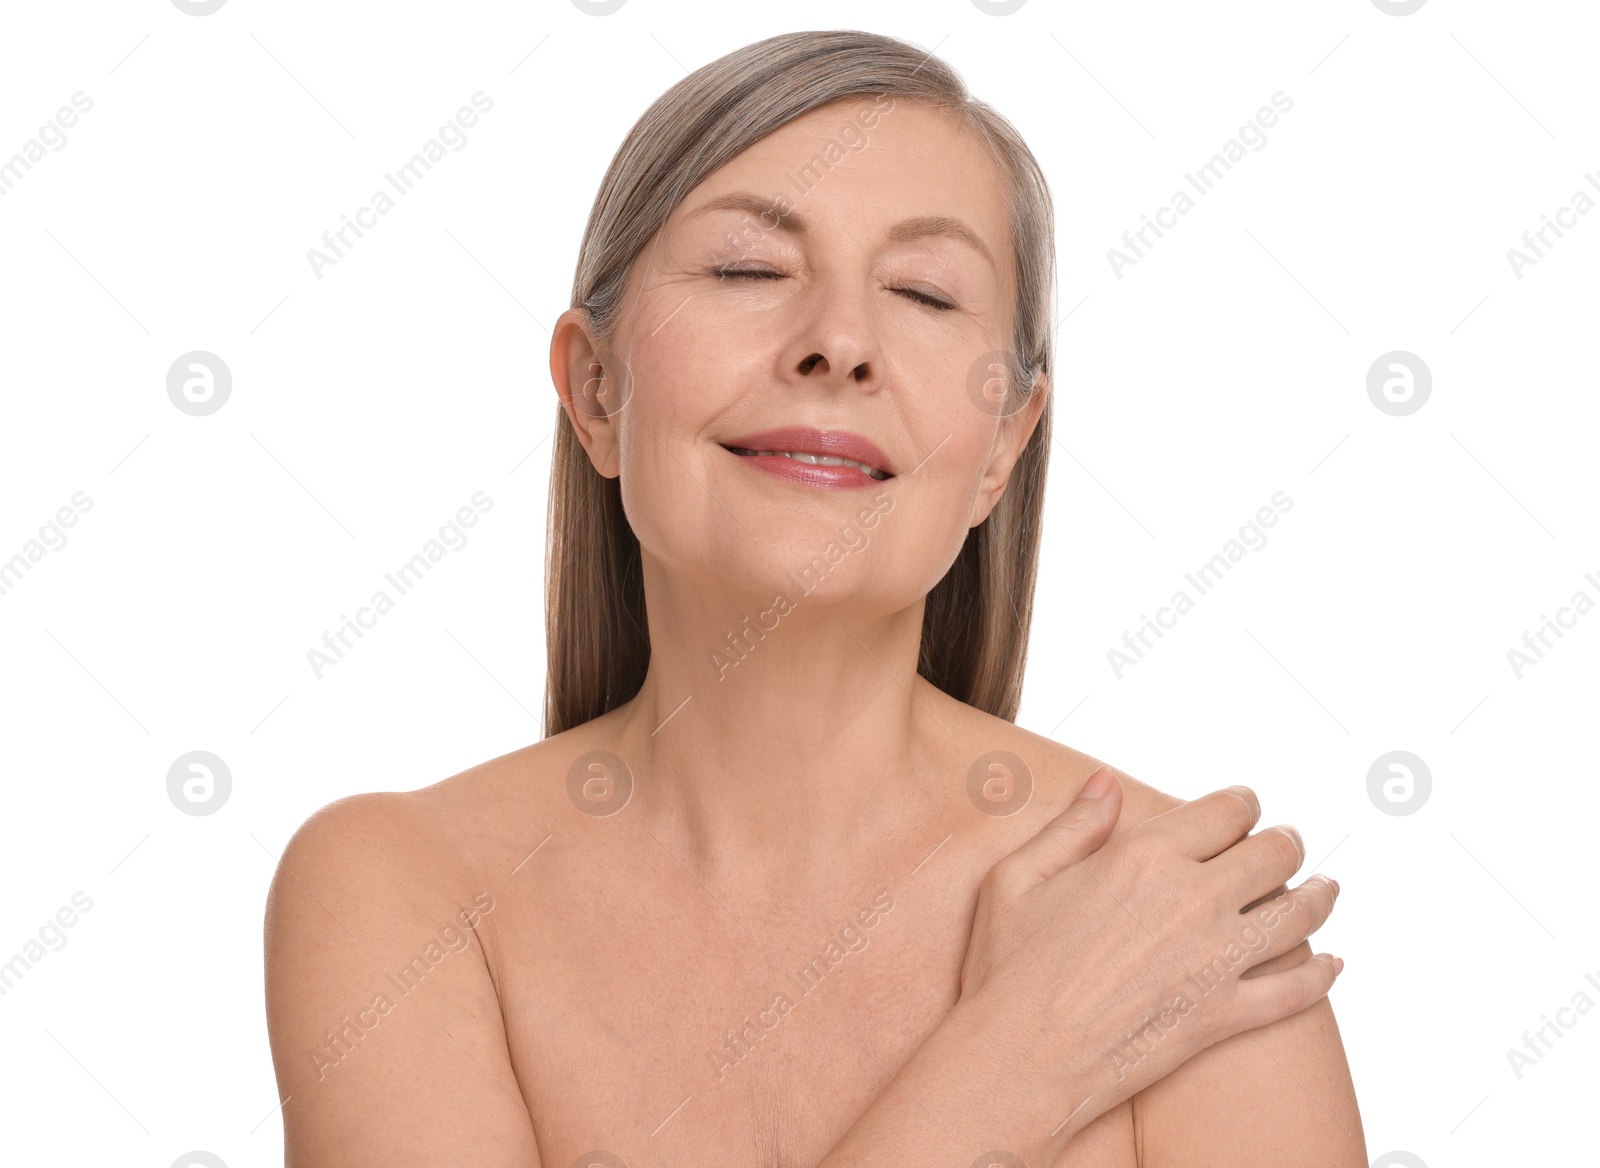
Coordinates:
[369,404]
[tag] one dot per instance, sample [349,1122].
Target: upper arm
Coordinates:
[1281,1093]
[384,1022]
[1277,1094]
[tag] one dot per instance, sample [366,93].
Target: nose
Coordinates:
[837,337]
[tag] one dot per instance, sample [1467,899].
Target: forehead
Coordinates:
[865,161]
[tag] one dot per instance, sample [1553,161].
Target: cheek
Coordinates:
[654,483]
[664,455]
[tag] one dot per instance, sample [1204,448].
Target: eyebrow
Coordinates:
[905,231]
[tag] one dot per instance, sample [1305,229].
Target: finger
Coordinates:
[1256,865]
[1211,824]
[1261,1001]
[1267,966]
[1072,836]
[1275,926]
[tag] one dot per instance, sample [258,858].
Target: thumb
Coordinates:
[1075,834]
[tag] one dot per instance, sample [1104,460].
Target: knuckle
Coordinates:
[1249,805]
[1286,997]
[1252,802]
[1142,850]
[1288,852]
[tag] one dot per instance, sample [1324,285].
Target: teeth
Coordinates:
[822,460]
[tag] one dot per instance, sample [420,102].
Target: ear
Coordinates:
[1011,439]
[589,390]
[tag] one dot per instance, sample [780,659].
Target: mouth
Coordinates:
[817,457]
[801,456]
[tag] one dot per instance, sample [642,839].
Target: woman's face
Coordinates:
[850,274]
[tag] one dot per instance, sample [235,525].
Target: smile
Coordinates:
[813,459]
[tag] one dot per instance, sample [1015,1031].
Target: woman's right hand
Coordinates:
[1098,965]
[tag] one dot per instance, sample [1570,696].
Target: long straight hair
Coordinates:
[975,622]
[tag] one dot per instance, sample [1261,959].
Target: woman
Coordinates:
[785,885]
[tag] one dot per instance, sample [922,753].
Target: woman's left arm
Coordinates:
[1278,1095]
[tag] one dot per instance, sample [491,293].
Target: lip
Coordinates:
[804,440]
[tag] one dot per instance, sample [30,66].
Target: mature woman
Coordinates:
[784,884]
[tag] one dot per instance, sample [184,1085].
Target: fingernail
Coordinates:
[1335,884]
[1338,966]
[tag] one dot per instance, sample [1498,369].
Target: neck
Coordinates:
[781,733]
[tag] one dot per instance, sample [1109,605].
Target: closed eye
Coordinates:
[924,298]
[757,273]
[769,274]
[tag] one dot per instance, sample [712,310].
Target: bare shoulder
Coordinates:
[1245,1101]
[383,1017]
[1058,771]
[465,827]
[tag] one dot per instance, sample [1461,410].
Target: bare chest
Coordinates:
[672,1030]
[657,1016]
